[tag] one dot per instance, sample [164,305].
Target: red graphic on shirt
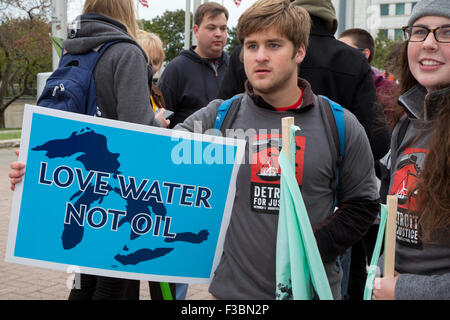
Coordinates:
[404,184]
[265,171]
[265,166]
[405,179]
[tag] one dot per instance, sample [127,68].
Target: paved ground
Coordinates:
[14,113]
[19,282]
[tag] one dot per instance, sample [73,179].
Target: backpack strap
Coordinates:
[335,116]
[89,60]
[226,113]
[337,123]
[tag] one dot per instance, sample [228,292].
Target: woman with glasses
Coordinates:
[420,171]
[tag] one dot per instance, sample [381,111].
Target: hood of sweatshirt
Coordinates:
[90,30]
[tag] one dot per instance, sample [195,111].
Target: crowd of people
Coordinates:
[287,60]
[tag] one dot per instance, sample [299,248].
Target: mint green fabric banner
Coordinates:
[57,44]
[372,273]
[299,268]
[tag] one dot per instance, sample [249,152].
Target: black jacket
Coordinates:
[335,70]
[190,82]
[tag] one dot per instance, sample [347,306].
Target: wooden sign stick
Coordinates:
[285,132]
[390,237]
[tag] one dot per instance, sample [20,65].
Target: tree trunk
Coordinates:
[4,85]
[11,87]
[5,105]
[2,119]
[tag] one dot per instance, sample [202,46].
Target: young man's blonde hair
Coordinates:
[120,10]
[291,21]
[152,45]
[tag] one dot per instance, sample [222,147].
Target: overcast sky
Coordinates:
[157,8]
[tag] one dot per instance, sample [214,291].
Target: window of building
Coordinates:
[400,9]
[384,33]
[398,34]
[384,9]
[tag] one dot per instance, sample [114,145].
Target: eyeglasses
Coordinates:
[419,34]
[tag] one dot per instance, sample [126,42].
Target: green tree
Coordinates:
[170,28]
[382,47]
[232,41]
[25,48]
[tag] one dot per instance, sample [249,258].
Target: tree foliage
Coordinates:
[382,48]
[25,48]
[28,8]
[232,41]
[170,28]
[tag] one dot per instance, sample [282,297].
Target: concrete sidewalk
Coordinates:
[19,282]
[13,143]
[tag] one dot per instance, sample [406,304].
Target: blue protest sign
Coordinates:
[120,199]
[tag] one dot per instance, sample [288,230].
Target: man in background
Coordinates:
[193,79]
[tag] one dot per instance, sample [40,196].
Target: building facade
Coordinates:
[373,15]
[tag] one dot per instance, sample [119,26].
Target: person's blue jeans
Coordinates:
[181,291]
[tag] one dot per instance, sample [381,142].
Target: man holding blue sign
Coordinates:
[274,34]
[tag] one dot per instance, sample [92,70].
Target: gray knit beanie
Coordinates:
[439,8]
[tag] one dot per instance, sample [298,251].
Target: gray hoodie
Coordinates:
[247,267]
[121,76]
[424,268]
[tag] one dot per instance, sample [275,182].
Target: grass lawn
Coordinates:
[8,134]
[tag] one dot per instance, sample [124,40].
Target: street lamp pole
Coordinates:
[59,26]
[196,4]
[187,25]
